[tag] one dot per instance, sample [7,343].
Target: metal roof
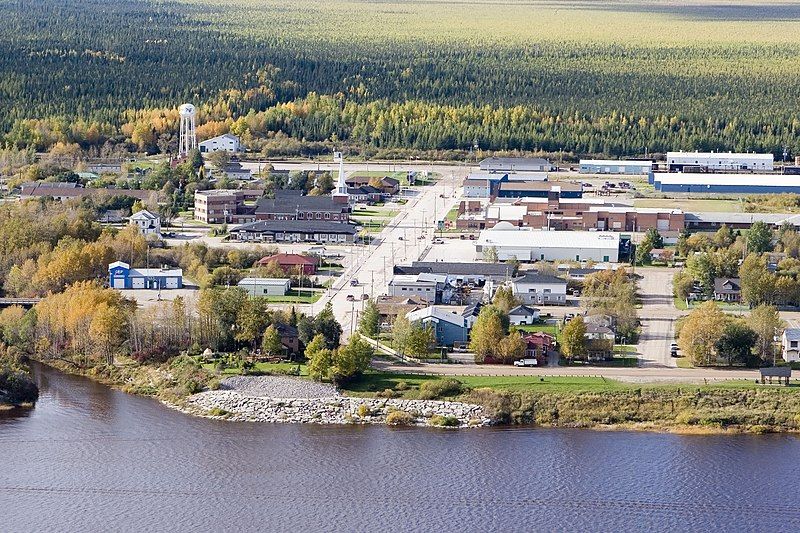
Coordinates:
[504,234]
[730,180]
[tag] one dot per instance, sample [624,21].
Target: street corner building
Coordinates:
[122,276]
[528,244]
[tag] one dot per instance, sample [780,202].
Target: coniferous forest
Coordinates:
[299,77]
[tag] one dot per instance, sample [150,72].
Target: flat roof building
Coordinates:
[295,231]
[515,164]
[726,183]
[678,161]
[527,244]
[265,286]
[615,166]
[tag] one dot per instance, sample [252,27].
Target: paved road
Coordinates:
[634,374]
[400,242]
[657,315]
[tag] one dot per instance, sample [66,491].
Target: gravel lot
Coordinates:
[278,387]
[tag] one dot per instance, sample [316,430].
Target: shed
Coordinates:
[782,373]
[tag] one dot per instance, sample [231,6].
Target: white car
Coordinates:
[526,362]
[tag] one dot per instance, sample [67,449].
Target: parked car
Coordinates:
[438,241]
[526,362]
[354,283]
[351,298]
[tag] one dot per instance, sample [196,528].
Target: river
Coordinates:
[89,458]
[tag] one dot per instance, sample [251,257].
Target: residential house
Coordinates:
[599,342]
[449,327]
[292,263]
[538,345]
[388,186]
[290,338]
[471,312]
[523,314]
[790,345]
[540,289]
[295,231]
[661,255]
[235,171]
[265,286]
[365,194]
[727,289]
[122,276]
[147,222]
[390,307]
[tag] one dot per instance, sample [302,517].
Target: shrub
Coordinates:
[364,411]
[386,393]
[217,411]
[399,418]
[401,386]
[444,421]
[431,390]
[16,387]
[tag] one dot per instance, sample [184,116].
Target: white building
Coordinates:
[516,164]
[790,345]
[541,289]
[147,222]
[223,143]
[615,166]
[265,286]
[409,285]
[523,314]
[528,244]
[719,161]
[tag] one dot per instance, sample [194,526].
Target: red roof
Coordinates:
[538,338]
[288,259]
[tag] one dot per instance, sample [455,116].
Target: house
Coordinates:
[538,345]
[599,342]
[388,186]
[727,289]
[471,312]
[410,285]
[295,231]
[226,142]
[661,255]
[292,263]
[265,286]
[449,327]
[523,314]
[122,276]
[235,171]
[290,338]
[540,289]
[390,307]
[790,345]
[147,222]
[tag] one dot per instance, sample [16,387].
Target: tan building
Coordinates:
[225,205]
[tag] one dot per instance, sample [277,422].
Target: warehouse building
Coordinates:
[726,183]
[265,286]
[527,244]
[615,166]
[681,161]
[122,276]
[515,164]
[539,189]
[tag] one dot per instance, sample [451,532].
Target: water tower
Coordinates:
[188,138]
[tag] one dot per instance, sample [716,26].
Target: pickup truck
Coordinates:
[526,362]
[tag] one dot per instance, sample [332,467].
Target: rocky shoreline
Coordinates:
[247,405]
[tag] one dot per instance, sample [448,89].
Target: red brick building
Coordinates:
[292,263]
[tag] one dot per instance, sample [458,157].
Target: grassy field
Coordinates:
[705,205]
[296,296]
[552,329]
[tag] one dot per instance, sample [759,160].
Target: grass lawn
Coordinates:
[552,329]
[452,215]
[687,204]
[295,296]
[266,368]
[680,303]
[683,362]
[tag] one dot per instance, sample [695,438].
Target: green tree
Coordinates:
[700,333]
[420,340]
[724,237]
[350,361]
[767,324]
[737,342]
[401,332]
[573,339]
[251,320]
[325,322]
[486,333]
[682,284]
[504,299]
[757,282]
[511,347]
[759,237]
[701,267]
[195,160]
[370,320]
[271,341]
[320,358]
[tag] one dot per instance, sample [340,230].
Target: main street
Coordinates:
[403,240]
[657,316]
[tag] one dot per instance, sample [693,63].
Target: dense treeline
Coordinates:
[106,60]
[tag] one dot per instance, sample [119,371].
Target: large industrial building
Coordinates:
[515,164]
[726,183]
[680,161]
[615,166]
[527,244]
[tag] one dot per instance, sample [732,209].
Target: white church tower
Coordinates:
[188,138]
[340,192]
